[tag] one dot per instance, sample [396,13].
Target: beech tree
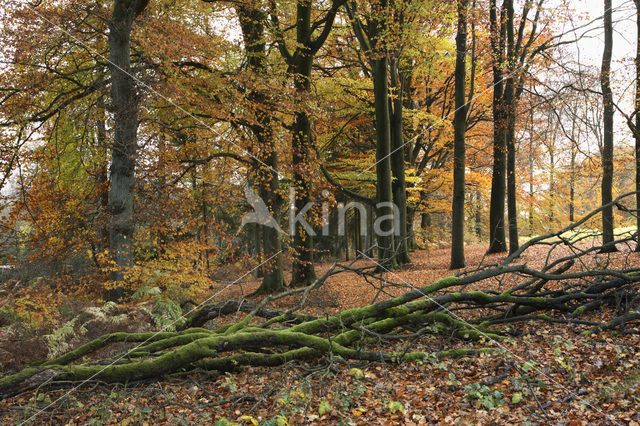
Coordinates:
[370,32]
[253,20]
[457,207]
[300,63]
[514,52]
[497,238]
[607,116]
[635,126]
[124,96]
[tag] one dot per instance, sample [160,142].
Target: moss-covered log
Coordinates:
[215,310]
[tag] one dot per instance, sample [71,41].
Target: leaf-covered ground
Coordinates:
[545,374]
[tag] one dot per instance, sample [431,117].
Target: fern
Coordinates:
[167,314]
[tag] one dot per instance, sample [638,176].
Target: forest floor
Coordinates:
[545,374]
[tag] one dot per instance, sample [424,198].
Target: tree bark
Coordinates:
[252,22]
[303,269]
[478,213]
[552,181]
[497,239]
[459,129]
[272,269]
[412,245]
[373,44]
[384,190]
[300,63]
[572,176]
[124,100]
[530,161]
[425,221]
[637,124]
[607,145]
[399,185]
[510,103]
[102,172]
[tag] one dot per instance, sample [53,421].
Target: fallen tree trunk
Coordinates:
[561,291]
[345,335]
[215,310]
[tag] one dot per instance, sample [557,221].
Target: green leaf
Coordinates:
[356,372]
[144,291]
[395,406]
[488,403]
[246,418]
[324,407]
[516,398]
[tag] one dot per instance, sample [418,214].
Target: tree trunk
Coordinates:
[397,163]
[255,231]
[512,206]
[303,270]
[530,161]
[372,41]
[411,232]
[384,211]
[425,221]
[478,213]
[102,172]
[124,101]
[272,270]
[371,236]
[510,134]
[459,129]
[334,237]
[637,125]
[252,21]
[607,145]
[357,239]
[552,182]
[572,176]
[497,240]
[300,64]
